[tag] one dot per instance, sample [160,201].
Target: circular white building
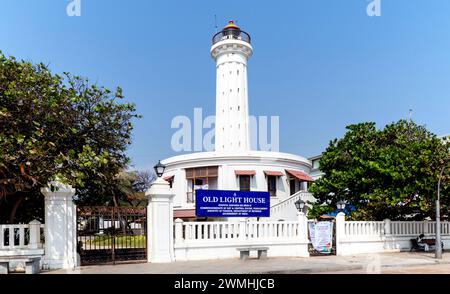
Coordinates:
[233,165]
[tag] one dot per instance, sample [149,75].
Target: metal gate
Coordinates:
[111,234]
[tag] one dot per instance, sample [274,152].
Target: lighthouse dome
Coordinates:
[231,25]
[231,32]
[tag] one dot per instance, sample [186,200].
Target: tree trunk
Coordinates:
[122,221]
[18,199]
[115,200]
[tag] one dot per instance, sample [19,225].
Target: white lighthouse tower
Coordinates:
[233,165]
[231,50]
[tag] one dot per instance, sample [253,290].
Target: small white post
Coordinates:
[387,227]
[2,234]
[60,227]
[160,222]
[242,229]
[340,231]
[303,234]
[178,231]
[425,227]
[303,226]
[35,234]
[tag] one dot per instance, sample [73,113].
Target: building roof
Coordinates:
[184,213]
[245,172]
[316,157]
[273,173]
[302,176]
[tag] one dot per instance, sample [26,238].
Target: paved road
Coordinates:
[427,269]
[363,263]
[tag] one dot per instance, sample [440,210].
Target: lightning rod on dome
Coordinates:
[215,23]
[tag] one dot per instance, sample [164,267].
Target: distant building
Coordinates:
[315,167]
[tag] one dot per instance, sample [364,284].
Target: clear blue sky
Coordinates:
[318,64]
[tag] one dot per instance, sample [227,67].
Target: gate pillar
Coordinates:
[160,242]
[340,232]
[60,227]
[302,249]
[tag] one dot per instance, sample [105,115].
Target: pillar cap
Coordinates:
[58,189]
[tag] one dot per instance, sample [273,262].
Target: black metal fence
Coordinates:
[231,34]
[111,234]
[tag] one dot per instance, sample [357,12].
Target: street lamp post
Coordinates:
[300,205]
[438,249]
[159,169]
[302,222]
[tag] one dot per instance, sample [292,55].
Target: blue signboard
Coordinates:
[220,203]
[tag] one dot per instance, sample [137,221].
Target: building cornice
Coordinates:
[207,158]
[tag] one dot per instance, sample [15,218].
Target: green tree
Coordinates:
[62,127]
[389,173]
[127,188]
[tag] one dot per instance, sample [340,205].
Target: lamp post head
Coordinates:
[300,205]
[341,205]
[159,169]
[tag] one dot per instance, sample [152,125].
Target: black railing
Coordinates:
[111,234]
[231,34]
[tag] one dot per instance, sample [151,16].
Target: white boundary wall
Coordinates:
[23,239]
[219,240]
[385,236]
